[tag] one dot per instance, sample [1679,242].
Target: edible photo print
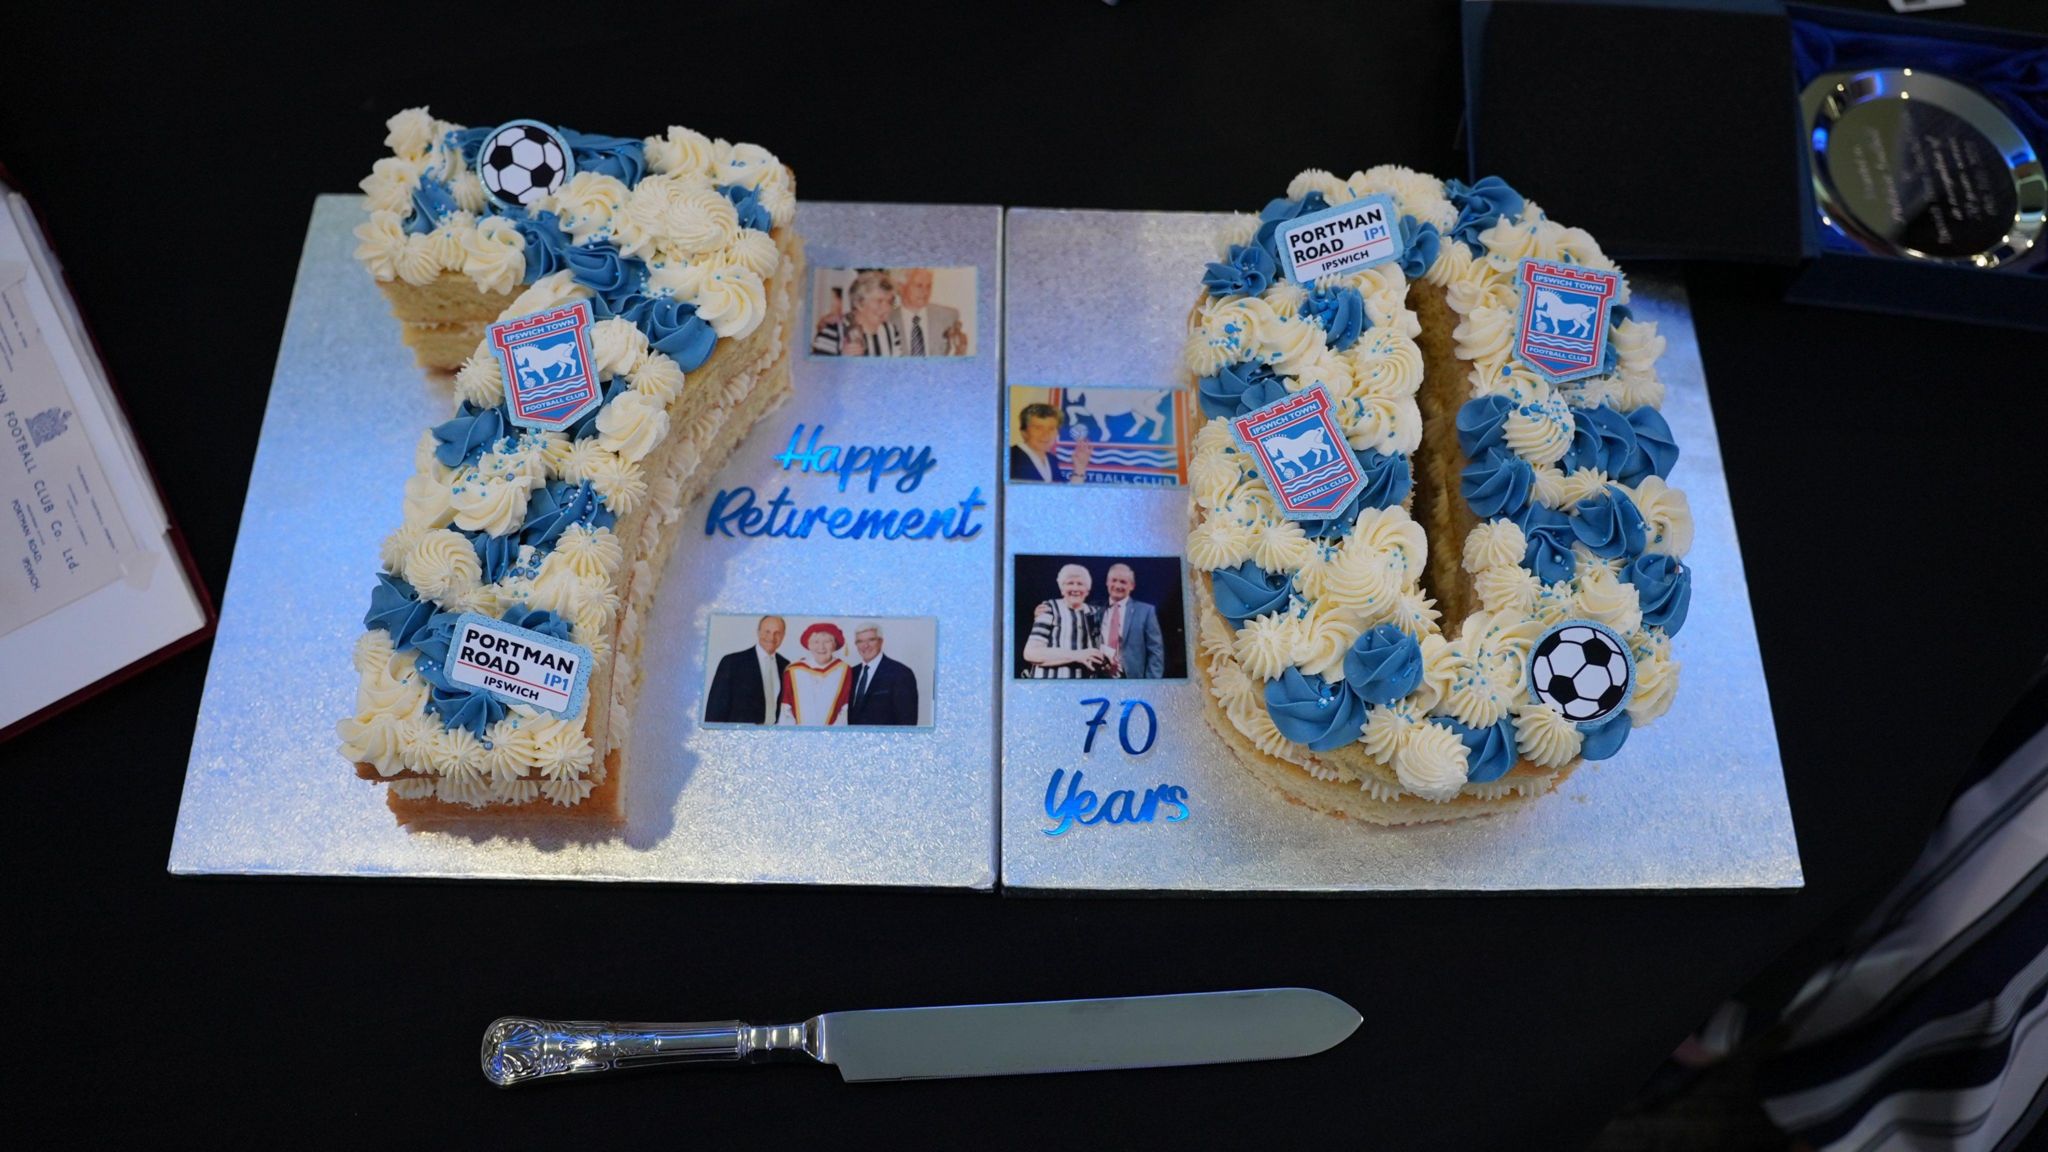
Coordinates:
[1099,618]
[776,669]
[885,312]
[1094,435]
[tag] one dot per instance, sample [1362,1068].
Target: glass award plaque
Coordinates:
[1911,164]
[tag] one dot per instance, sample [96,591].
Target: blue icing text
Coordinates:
[1082,806]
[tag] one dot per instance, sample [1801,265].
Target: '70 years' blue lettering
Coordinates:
[1080,805]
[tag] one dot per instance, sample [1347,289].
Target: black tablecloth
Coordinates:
[1888,476]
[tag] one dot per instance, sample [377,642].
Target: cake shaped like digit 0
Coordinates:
[1495,601]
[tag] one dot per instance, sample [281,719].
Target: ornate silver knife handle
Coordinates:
[519,1048]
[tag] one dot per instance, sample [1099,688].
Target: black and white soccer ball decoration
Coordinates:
[1584,670]
[522,161]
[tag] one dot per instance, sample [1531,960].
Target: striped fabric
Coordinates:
[832,340]
[1063,627]
[1931,1030]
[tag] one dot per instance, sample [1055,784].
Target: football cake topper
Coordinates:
[550,377]
[1584,670]
[1562,331]
[522,161]
[1302,454]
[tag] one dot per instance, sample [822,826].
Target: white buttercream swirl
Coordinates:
[1430,762]
[680,152]
[1494,543]
[442,564]
[1544,736]
[381,242]
[494,255]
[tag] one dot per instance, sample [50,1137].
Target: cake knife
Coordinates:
[956,1040]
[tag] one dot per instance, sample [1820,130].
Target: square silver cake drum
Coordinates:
[1696,800]
[266,790]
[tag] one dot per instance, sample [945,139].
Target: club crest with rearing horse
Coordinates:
[550,379]
[1302,454]
[1562,330]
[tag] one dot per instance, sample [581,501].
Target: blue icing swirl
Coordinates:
[1387,480]
[431,204]
[1310,710]
[599,267]
[537,620]
[469,434]
[1601,438]
[1600,740]
[547,246]
[1249,590]
[1480,206]
[1549,552]
[458,705]
[617,156]
[1339,309]
[1609,524]
[1281,211]
[1664,586]
[1655,452]
[1482,424]
[746,202]
[495,555]
[1489,752]
[1419,247]
[1236,389]
[466,141]
[1248,272]
[551,510]
[1497,483]
[1384,665]
[398,610]
[673,329]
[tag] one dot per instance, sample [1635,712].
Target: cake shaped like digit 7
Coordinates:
[678,258]
[1494,601]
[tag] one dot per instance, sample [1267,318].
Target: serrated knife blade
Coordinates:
[951,1041]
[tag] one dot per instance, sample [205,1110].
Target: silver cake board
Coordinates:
[1694,801]
[266,792]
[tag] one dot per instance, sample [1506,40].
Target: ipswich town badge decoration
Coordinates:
[550,378]
[1302,454]
[1562,332]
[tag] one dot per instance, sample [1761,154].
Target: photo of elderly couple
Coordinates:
[821,672]
[883,312]
[1099,618]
